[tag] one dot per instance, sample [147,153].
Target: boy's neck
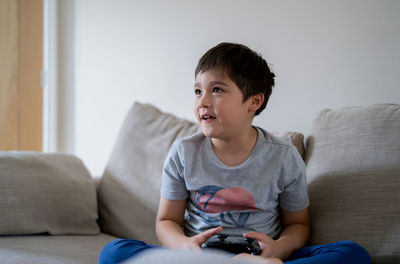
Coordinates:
[236,150]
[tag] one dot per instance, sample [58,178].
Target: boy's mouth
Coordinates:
[207,117]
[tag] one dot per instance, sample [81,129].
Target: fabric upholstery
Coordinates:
[353,168]
[176,257]
[129,190]
[297,139]
[46,193]
[44,249]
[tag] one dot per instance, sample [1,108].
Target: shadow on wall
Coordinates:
[66,76]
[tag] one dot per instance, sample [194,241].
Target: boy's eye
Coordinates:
[197,91]
[217,90]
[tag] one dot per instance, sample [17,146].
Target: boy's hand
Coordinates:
[197,240]
[270,248]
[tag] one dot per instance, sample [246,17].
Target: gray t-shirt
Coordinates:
[243,198]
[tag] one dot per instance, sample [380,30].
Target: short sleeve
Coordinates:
[294,196]
[173,185]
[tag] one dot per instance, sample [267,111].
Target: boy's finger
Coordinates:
[211,232]
[215,230]
[256,235]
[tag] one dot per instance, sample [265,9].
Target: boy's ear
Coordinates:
[256,101]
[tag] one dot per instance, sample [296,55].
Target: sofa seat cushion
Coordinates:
[167,256]
[41,249]
[353,170]
[46,193]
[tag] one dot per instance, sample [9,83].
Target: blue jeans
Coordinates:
[342,252]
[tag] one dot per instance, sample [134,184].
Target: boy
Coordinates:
[233,177]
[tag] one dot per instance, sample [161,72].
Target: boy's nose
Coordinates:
[204,101]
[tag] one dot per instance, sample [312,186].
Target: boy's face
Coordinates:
[219,106]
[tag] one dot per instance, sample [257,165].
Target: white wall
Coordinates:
[325,54]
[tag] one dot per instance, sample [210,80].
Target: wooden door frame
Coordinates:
[30,58]
[15,102]
[21,55]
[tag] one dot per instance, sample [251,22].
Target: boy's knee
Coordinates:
[355,251]
[111,253]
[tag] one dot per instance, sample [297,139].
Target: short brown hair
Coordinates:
[247,69]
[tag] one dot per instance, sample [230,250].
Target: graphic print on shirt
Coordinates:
[227,202]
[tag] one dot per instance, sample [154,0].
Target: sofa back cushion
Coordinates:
[46,193]
[129,190]
[353,168]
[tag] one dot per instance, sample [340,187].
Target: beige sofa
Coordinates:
[51,211]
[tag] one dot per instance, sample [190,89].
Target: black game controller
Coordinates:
[233,244]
